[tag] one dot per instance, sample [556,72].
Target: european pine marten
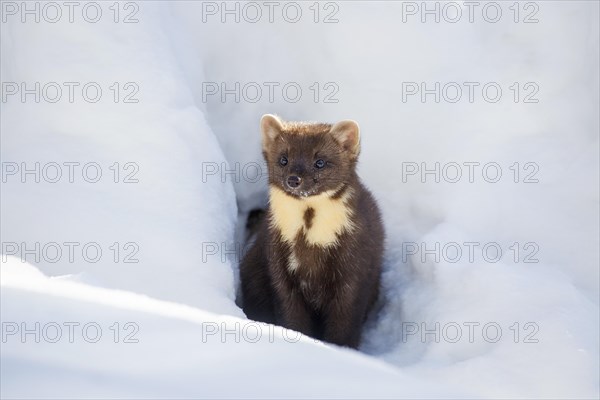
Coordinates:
[315,264]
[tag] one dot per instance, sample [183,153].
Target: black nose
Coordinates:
[294,181]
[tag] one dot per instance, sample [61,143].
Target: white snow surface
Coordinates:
[169,327]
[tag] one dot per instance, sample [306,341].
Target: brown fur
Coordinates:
[315,264]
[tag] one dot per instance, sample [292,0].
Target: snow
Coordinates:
[193,340]
[179,354]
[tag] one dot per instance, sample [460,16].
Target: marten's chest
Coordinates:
[318,221]
[314,271]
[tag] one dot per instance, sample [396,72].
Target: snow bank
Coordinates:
[153,203]
[103,343]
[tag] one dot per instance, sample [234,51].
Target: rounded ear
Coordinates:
[347,134]
[270,127]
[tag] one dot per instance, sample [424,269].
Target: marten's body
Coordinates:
[315,264]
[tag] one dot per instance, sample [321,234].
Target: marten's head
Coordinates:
[308,159]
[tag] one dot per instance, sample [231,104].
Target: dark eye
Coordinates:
[283,161]
[319,164]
